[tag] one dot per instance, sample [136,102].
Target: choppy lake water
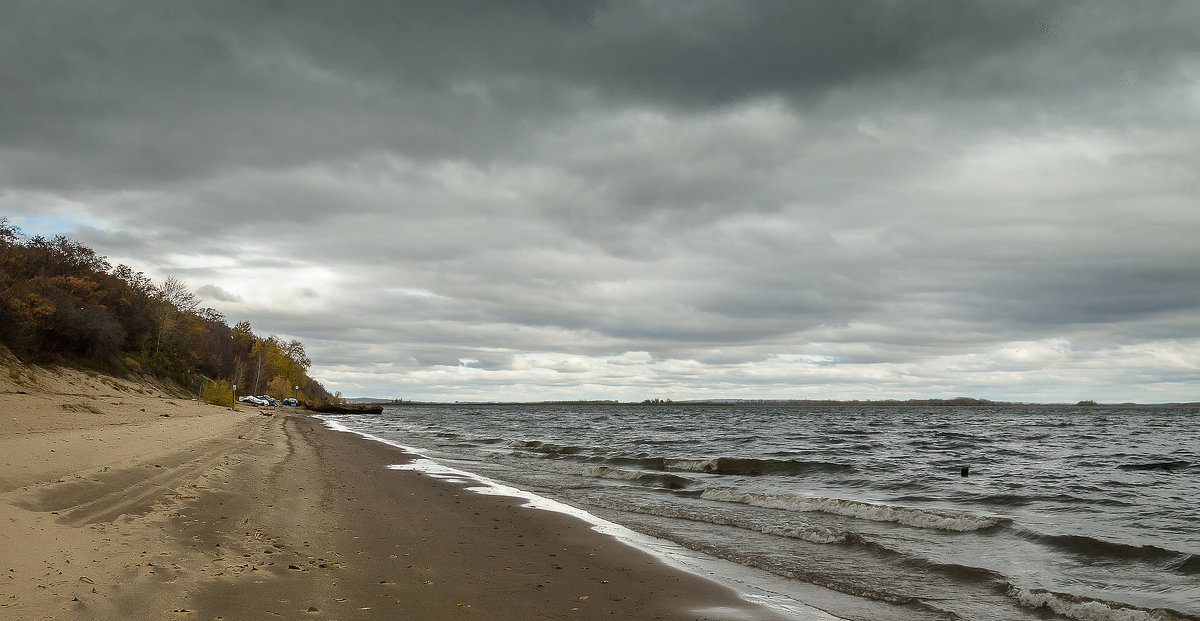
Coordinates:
[1067,512]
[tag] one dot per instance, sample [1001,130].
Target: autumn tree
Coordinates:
[279,366]
[174,301]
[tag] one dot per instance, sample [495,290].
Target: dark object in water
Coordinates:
[1166,466]
[328,408]
[965,471]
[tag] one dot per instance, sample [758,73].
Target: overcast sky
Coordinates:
[626,200]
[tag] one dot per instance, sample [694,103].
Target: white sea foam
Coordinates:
[918,518]
[815,534]
[1083,609]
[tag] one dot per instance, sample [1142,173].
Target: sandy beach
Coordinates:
[119,500]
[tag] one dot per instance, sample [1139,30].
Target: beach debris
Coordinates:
[313,609]
[86,579]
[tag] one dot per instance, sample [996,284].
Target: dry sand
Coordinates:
[120,501]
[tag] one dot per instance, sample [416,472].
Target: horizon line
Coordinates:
[936,401]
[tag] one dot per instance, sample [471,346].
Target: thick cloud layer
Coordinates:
[458,200]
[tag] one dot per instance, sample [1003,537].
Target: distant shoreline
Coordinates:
[956,402]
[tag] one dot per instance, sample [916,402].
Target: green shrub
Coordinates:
[219,392]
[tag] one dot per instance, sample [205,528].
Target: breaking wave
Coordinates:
[1085,609]
[1165,466]
[754,467]
[655,479]
[550,449]
[743,466]
[1093,550]
[908,516]
[813,534]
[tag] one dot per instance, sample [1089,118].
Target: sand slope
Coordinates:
[89,467]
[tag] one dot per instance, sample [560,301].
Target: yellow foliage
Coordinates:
[282,387]
[219,392]
[34,309]
[82,288]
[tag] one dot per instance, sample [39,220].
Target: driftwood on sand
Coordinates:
[329,408]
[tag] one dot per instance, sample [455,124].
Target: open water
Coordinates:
[1067,512]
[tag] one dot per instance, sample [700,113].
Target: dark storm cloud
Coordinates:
[99,92]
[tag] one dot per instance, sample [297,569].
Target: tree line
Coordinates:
[62,303]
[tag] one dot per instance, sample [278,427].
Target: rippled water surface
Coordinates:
[1066,512]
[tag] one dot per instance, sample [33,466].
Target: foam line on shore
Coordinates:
[745,581]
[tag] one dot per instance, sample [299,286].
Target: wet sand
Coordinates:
[211,514]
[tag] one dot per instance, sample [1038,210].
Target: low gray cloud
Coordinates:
[460,200]
[217,293]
